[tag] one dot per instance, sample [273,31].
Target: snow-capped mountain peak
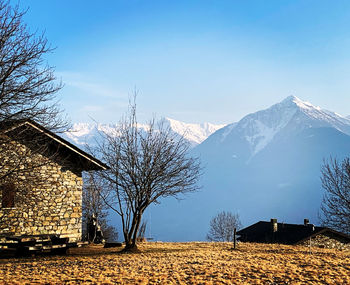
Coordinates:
[293,100]
[291,114]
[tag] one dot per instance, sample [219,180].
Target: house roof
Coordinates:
[76,156]
[326,230]
[286,233]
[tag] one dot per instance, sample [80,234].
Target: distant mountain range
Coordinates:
[87,133]
[265,166]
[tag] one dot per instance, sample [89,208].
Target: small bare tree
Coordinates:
[94,207]
[335,207]
[222,226]
[145,166]
[142,232]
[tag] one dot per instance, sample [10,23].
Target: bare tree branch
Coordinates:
[335,207]
[27,84]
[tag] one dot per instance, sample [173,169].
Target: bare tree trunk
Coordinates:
[131,237]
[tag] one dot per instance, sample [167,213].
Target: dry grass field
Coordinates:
[183,263]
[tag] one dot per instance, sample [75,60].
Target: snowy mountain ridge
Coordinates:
[292,114]
[86,133]
[195,133]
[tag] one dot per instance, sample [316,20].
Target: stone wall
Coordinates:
[48,200]
[328,240]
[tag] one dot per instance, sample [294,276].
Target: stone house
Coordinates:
[294,234]
[45,195]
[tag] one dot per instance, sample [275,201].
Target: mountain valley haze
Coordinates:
[265,165]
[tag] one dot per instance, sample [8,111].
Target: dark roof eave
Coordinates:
[89,159]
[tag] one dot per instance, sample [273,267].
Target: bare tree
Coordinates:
[110,233]
[145,166]
[222,226]
[27,92]
[27,85]
[142,231]
[94,207]
[335,207]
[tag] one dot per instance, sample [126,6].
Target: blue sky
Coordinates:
[195,61]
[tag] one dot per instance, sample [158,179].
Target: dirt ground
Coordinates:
[183,263]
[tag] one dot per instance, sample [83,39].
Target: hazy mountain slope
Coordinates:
[266,165]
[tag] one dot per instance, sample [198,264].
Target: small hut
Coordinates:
[45,199]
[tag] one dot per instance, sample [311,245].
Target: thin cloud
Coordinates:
[89,86]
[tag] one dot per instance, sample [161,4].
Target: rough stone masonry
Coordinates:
[48,200]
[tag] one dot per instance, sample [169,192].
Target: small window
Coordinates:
[8,195]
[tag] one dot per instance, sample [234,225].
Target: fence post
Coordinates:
[234,238]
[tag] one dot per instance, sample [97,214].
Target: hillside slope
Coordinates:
[265,166]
